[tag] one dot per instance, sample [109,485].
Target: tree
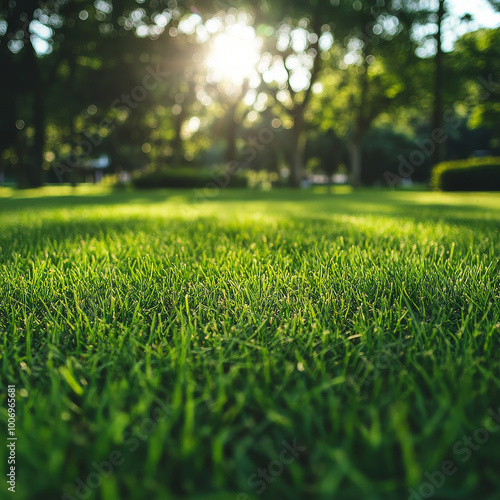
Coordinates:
[437,113]
[57,44]
[475,70]
[293,66]
[369,73]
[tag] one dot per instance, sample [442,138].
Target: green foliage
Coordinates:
[474,79]
[474,174]
[134,79]
[263,179]
[382,150]
[364,326]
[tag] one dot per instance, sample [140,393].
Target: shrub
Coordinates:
[473,174]
[188,178]
[382,149]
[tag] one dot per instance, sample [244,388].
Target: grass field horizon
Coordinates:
[282,344]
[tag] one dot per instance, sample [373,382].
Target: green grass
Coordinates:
[195,339]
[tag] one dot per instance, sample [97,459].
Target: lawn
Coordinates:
[282,345]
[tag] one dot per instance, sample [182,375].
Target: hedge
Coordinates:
[187,178]
[473,174]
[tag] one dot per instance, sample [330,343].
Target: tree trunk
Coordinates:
[297,171]
[437,115]
[299,137]
[177,147]
[73,175]
[34,170]
[330,184]
[230,153]
[356,163]
[8,131]
[361,126]
[36,173]
[297,163]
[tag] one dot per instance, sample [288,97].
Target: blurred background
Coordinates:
[172,93]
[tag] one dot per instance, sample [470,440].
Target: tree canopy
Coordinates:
[162,82]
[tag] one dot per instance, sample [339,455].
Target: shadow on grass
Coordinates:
[13,204]
[384,203]
[308,205]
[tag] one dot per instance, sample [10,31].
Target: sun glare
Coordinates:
[234,54]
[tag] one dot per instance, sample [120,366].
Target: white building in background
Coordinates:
[94,168]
